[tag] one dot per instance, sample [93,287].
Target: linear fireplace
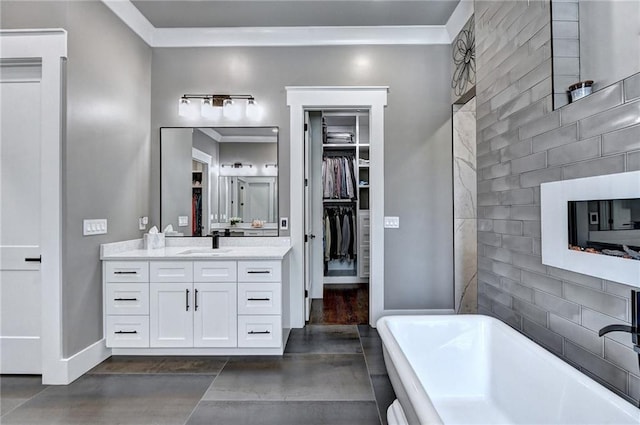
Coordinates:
[592,226]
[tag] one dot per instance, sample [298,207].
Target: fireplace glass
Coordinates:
[605,226]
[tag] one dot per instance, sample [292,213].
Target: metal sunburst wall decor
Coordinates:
[464,59]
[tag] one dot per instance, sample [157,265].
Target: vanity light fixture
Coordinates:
[237,165]
[215,106]
[270,165]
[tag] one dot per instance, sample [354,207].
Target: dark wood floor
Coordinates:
[346,304]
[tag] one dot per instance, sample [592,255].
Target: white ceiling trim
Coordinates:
[290,36]
[299,36]
[458,18]
[130,15]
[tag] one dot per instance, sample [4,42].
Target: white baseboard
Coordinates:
[83,361]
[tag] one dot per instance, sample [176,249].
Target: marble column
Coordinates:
[464,208]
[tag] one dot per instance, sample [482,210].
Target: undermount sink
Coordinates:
[205,252]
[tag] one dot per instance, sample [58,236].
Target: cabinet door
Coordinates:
[215,315]
[171,314]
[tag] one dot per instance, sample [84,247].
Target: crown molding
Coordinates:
[290,36]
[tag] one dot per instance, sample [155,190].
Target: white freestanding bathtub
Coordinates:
[473,369]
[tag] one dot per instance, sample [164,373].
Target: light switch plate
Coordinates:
[183,220]
[392,222]
[284,223]
[142,224]
[94,227]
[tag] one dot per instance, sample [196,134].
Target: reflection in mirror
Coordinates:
[606,226]
[593,40]
[219,179]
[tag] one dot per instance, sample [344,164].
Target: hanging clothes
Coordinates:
[339,177]
[339,233]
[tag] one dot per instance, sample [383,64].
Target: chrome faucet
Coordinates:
[633,329]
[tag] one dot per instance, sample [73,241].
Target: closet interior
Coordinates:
[197,182]
[345,210]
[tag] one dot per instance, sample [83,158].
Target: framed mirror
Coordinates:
[219,179]
[593,40]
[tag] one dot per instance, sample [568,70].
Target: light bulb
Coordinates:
[183,107]
[207,110]
[231,109]
[254,111]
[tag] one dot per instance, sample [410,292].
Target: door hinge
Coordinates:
[306,182]
[306,127]
[306,238]
[306,293]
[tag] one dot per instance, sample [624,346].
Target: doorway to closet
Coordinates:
[337,215]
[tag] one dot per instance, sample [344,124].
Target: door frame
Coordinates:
[300,99]
[50,47]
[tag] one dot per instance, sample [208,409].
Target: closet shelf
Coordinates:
[364,186]
[339,145]
[346,201]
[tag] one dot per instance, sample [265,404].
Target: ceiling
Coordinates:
[294,13]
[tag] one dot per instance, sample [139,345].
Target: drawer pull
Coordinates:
[258,299]
[258,332]
[259,271]
[126,332]
[125,272]
[125,299]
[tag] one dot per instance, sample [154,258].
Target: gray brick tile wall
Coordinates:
[543,283]
[531,311]
[574,152]
[633,161]
[594,167]
[632,88]
[555,304]
[610,120]
[597,300]
[542,335]
[606,98]
[627,139]
[523,143]
[598,366]
[583,337]
[621,356]
[532,162]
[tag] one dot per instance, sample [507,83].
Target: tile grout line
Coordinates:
[375,399]
[205,391]
[4,414]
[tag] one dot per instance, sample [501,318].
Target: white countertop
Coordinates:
[133,250]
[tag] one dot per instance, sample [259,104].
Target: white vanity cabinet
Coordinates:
[193,306]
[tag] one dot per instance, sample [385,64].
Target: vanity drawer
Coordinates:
[259,271]
[171,271]
[259,298]
[127,331]
[259,331]
[127,298]
[127,271]
[215,271]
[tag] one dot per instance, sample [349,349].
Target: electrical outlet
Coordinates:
[142,225]
[392,222]
[183,220]
[94,227]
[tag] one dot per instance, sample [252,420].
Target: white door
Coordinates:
[20,288]
[215,315]
[308,219]
[171,314]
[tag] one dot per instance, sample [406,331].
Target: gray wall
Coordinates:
[177,177]
[609,40]
[522,143]
[256,154]
[418,265]
[106,153]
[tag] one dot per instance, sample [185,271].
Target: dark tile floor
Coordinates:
[328,375]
